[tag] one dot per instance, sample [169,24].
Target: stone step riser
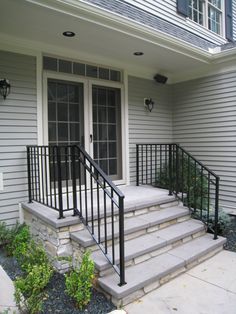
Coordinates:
[135,234]
[134,212]
[144,257]
[160,281]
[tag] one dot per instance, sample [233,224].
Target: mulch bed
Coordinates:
[56,300]
[230,234]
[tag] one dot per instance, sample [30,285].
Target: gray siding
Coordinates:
[234,20]
[167,11]
[205,124]
[144,126]
[18,128]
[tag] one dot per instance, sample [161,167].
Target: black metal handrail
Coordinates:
[66,178]
[171,167]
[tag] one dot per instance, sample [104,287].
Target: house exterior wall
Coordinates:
[145,126]
[167,11]
[234,19]
[18,128]
[204,122]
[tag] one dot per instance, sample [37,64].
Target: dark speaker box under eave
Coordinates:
[160,78]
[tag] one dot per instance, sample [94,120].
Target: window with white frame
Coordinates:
[208,13]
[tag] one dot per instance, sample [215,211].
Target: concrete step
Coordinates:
[146,223]
[149,245]
[150,274]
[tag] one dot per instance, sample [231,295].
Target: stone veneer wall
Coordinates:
[54,234]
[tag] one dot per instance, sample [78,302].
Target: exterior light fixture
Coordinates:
[68,34]
[148,104]
[5,88]
[138,53]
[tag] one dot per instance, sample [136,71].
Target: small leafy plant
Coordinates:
[7,235]
[29,290]
[79,282]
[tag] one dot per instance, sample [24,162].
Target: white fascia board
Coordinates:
[225,56]
[93,14]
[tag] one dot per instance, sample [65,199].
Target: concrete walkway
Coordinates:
[209,288]
[7,303]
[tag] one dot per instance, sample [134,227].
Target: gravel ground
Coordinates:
[56,300]
[230,234]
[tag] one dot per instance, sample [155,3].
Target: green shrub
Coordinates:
[29,290]
[7,235]
[223,221]
[79,282]
[192,183]
[29,254]
[18,246]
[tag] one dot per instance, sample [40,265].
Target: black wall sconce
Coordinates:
[148,104]
[5,88]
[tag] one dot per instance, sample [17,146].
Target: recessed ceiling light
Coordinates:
[138,53]
[69,34]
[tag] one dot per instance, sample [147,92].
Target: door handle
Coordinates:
[91,138]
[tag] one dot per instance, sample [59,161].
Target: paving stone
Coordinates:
[141,275]
[197,248]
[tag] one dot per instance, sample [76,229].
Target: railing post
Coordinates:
[122,241]
[177,171]
[29,174]
[137,165]
[73,174]
[216,208]
[59,182]
[170,169]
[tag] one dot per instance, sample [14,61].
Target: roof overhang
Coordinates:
[101,37]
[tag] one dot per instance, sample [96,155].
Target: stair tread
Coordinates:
[147,272]
[133,224]
[150,242]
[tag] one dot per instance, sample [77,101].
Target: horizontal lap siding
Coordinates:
[234,19]
[167,11]
[18,128]
[204,118]
[144,126]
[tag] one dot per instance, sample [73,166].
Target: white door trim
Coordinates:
[88,126]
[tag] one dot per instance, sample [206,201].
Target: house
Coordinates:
[167,67]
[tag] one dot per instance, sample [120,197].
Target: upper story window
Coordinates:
[208,13]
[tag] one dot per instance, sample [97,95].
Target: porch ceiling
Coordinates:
[42,29]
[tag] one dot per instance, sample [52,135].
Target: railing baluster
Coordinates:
[67,155]
[177,187]
[216,207]
[59,182]
[182,174]
[201,200]
[73,177]
[151,163]
[122,241]
[42,171]
[46,173]
[112,228]
[38,168]
[91,198]
[105,216]
[29,173]
[137,165]
[170,169]
[98,210]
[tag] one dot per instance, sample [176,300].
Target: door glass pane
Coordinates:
[65,120]
[107,130]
